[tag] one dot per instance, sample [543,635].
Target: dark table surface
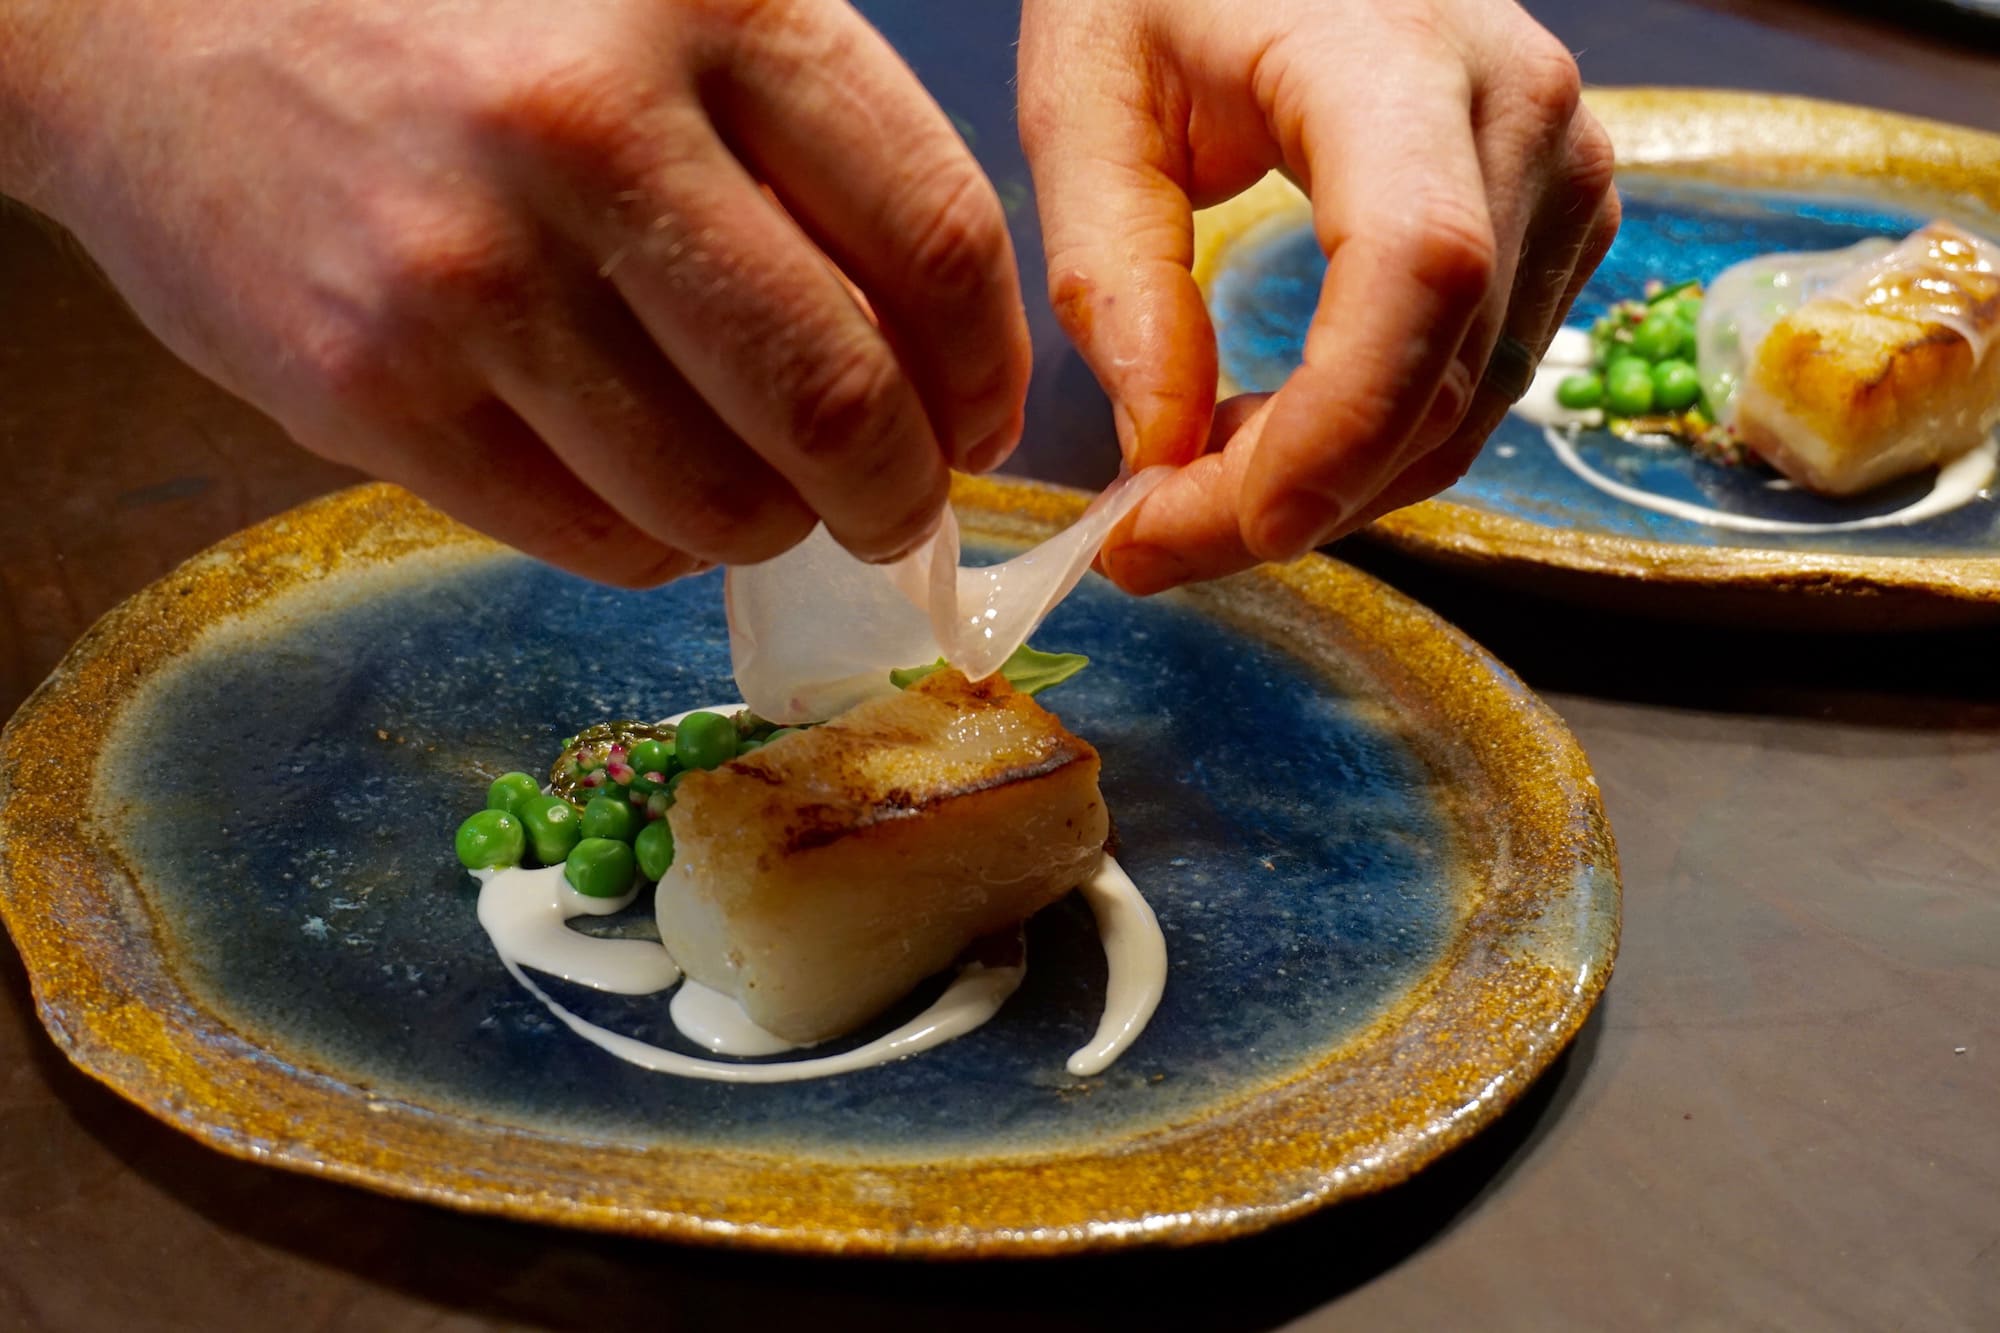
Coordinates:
[1785,1113]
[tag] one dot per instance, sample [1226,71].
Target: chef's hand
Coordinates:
[516,256]
[1458,189]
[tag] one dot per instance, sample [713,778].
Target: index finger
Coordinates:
[1410,256]
[829,117]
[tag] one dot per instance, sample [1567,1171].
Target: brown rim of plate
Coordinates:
[1751,141]
[1534,948]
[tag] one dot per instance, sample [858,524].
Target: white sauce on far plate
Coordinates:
[1957,483]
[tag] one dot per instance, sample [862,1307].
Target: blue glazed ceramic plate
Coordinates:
[225,830]
[1708,180]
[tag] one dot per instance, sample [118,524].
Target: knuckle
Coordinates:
[1421,27]
[1453,400]
[1452,251]
[756,545]
[357,367]
[847,403]
[1591,164]
[456,259]
[602,546]
[706,521]
[1550,86]
[592,116]
[960,241]
[730,530]
[907,523]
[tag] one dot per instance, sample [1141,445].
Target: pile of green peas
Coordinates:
[603,818]
[1644,357]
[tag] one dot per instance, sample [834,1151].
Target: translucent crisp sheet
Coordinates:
[816,631]
[1920,278]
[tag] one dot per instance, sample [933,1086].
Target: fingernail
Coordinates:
[930,531]
[1454,396]
[991,451]
[1292,526]
[1142,569]
[1128,430]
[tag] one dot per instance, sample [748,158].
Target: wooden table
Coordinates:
[1786,1113]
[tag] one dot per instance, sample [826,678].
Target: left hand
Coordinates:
[1459,189]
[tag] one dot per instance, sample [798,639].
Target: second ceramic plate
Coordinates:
[1707,179]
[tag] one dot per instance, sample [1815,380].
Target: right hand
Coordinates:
[561,270]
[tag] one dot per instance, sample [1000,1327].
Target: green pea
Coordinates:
[510,790]
[781,733]
[705,740]
[655,849]
[1675,385]
[750,746]
[489,840]
[1578,392]
[1628,388]
[674,785]
[553,827]
[653,757]
[600,868]
[606,817]
[1657,337]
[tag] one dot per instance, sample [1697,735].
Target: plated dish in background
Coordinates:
[1710,180]
[1380,863]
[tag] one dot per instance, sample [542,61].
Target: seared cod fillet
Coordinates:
[819,878]
[1896,373]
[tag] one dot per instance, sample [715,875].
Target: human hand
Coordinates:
[1459,190]
[562,270]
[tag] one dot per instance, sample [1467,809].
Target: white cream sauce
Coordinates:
[531,915]
[526,912]
[715,1022]
[1135,957]
[1957,483]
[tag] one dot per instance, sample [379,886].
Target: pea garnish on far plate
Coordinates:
[1643,376]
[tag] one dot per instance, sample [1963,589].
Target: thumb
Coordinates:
[1117,226]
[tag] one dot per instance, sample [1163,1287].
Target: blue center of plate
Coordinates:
[289,799]
[1263,300]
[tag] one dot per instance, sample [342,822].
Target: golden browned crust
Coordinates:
[1850,391]
[820,878]
[828,783]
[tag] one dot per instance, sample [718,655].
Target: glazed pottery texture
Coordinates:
[1387,888]
[1707,179]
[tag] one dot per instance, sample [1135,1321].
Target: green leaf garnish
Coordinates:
[1031,671]
[1028,670]
[904,677]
